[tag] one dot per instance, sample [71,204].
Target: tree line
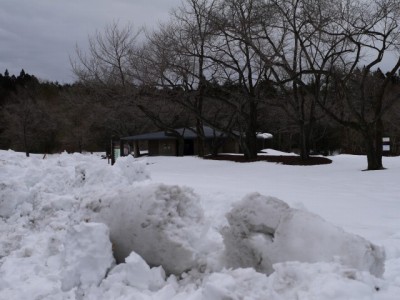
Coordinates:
[46,117]
[308,71]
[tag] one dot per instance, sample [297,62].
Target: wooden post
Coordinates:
[112,152]
[136,150]
[121,148]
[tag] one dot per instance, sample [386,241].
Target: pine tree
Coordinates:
[21,74]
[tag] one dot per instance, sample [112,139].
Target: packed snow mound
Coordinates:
[55,242]
[47,250]
[35,182]
[164,224]
[125,171]
[291,281]
[86,257]
[130,278]
[264,231]
[11,196]
[56,262]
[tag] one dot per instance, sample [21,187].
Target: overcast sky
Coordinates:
[40,35]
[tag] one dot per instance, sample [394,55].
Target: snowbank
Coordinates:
[56,263]
[11,196]
[86,257]
[62,217]
[164,224]
[264,231]
[134,277]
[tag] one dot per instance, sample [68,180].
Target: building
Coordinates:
[168,143]
[180,142]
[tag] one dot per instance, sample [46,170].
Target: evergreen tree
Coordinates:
[22,74]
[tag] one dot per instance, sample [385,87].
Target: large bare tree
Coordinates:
[174,58]
[316,43]
[361,94]
[239,67]
[108,60]
[108,70]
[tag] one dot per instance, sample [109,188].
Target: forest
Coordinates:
[321,76]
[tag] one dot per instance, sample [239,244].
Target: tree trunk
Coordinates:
[249,144]
[80,146]
[136,149]
[250,150]
[181,146]
[26,143]
[304,142]
[200,138]
[373,157]
[373,145]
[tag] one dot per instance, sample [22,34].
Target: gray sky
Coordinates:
[40,35]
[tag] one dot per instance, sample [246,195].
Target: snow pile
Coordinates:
[56,262]
[65,219]
[134,277]
[26,182]
[125,171]
[291,281]
[269,151]
[264,135]
[11,196]
[46,247]
[294,280]
[164,224]
[86,257]
[264,231]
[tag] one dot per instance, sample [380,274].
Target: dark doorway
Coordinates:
[188,147]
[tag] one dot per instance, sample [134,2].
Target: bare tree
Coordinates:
[195,23]
[358,86]
[28,125]
[289,37]
[238,68]
[108,61]
[174,58]
[108,69]
[199,53]
[316,43]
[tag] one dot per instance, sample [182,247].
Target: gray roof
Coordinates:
[188,134]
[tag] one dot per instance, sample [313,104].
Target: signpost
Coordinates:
[115,150]
[386,146]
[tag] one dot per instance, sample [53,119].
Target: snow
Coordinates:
[74,227]
[164,224]
[264,135]
[264,231]
[276,152]
[86,257]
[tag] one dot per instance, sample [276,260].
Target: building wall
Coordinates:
[162,147]
[153,148]
[167,148]
[230,146]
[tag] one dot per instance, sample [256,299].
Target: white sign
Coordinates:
[117,153]
[386,139]
[386,147]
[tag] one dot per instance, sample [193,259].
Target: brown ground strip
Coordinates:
[281,159]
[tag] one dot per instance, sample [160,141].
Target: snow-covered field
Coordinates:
[73,227]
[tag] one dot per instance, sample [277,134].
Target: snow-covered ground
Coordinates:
[187,228]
